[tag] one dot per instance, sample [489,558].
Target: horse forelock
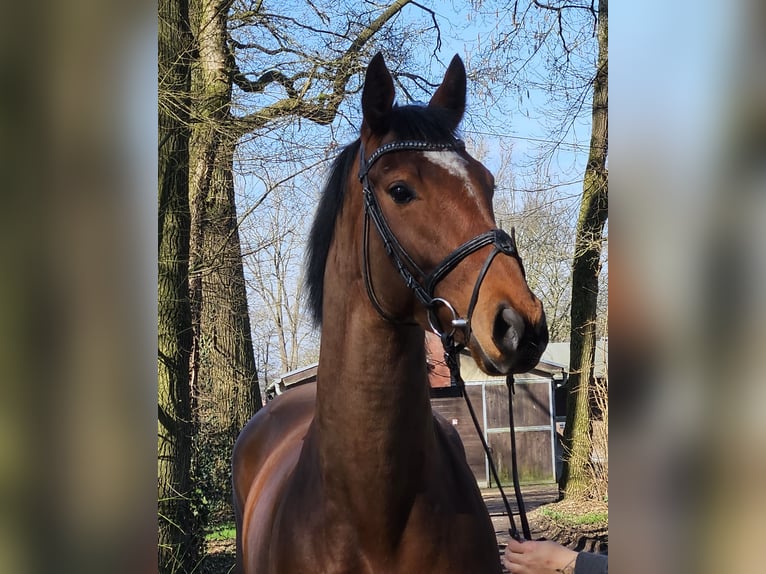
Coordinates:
[410,122]
[423,123]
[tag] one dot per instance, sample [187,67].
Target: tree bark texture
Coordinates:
[576,477]
[223,365]
[179,543]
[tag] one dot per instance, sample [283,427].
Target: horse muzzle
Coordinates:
[516,344]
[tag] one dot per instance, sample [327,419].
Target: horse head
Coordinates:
[432,252]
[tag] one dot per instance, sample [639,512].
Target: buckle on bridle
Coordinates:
[504,242]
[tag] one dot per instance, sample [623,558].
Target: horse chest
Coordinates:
[330,543]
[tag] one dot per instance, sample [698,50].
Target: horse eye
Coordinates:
[401,194]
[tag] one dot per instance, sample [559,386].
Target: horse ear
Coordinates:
[377,96]
[451,93]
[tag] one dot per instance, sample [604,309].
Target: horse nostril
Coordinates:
[508,330]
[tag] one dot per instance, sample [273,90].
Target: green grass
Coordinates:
[587,518]
[222,532]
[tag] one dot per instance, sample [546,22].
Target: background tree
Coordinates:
[178,545]
[275,236]
[576,479]
[224,376]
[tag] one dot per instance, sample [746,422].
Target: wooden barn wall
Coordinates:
[456,412]
[533,423]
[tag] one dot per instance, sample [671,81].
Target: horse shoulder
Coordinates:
[449,435]
[466,530]
[264,457]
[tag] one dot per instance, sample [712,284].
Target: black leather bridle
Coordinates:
[423,285]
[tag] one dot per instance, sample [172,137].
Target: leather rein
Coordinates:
[424,284]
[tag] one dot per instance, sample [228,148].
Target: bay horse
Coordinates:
[356,474]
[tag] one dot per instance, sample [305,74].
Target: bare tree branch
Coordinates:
[323,109]
[272,76]
[436,25]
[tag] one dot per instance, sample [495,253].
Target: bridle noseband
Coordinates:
[409,270]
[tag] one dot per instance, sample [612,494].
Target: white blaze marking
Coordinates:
[454,164]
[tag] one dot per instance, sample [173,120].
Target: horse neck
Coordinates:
[373,419]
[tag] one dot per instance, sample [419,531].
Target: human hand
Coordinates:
[538,557]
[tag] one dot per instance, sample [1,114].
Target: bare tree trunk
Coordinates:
[179,543]
[576,476]
[224,372]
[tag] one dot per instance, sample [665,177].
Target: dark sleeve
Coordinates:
[590,563]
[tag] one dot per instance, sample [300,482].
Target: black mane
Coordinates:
[408,123]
